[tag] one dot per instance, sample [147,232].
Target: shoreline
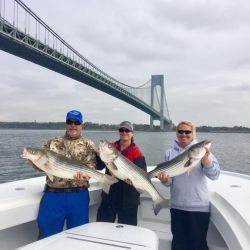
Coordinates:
[137,130]
[89,126]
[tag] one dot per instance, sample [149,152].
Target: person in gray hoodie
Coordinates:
[190,210]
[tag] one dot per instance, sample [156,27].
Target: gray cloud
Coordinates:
[238,88]
[203,15]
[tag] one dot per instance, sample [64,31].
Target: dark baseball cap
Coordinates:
[126,124]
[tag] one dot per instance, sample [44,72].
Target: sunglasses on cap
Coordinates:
[186,132]
[71,122]
[121,130]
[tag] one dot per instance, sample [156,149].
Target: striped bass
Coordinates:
[183,162]
[123,169]
[54,164]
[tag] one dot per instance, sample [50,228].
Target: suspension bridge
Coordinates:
[24,34]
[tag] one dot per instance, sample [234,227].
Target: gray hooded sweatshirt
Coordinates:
[189,191]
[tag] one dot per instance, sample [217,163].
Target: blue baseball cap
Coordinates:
[74,114]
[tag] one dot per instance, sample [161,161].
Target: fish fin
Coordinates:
[189,169]
[160,203]
[106,182]
[188,163]
[47,166]
[111,166]
[51,177]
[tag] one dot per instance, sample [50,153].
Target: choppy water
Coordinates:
[232,150]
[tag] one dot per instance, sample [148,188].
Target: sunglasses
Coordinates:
[186,132]
[121,130]
[70,122]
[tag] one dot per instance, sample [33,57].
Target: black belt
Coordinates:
[67,190]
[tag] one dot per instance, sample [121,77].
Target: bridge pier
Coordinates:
[157,80]
[164,126]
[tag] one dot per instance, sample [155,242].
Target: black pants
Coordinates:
[189,229]
[107,213]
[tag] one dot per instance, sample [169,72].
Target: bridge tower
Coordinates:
[157,80]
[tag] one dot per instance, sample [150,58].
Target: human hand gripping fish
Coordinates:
[163,176]
[205,159]
[79,176]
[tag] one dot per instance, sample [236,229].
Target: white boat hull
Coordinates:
[229,226]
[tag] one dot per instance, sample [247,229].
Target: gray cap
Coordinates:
[127,125]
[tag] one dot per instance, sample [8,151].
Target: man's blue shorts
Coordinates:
[58,207]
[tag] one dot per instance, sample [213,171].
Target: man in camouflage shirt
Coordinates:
[66,199]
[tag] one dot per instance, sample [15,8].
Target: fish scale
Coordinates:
[135,177]
[64,165]
[173,168]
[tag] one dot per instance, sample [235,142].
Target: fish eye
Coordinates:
[33,151]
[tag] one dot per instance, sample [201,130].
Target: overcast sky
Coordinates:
[201,47]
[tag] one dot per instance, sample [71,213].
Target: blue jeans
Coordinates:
[58,207]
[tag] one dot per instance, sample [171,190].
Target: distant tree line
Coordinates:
[98,126]
[235,129]
[61,125]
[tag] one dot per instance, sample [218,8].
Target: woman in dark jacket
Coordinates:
[123,198]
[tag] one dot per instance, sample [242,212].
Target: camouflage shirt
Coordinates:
[81,149]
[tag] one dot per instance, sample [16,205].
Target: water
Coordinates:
[232,150]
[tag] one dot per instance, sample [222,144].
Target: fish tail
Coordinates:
[106,182]
[160,203]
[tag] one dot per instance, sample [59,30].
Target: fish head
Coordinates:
[198,150]
[107,152]
[31,153]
